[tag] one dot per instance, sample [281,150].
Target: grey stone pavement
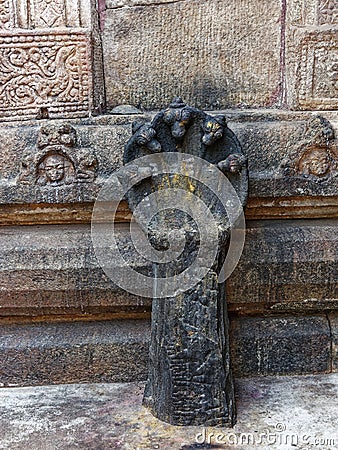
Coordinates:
[298,412]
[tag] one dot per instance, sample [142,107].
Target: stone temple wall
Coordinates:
[66,67]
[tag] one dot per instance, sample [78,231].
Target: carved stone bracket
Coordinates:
[57,160]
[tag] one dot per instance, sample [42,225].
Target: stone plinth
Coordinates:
[49,272]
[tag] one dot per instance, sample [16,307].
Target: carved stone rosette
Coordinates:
[190,381]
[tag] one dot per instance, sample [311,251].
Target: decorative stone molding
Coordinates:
[317,76]
[278,134]
[44,71]
[327,12]
[312,54]
[5,14]
[45,14]
[314,12]
[49,56]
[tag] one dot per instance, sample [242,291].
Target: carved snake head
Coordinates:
[213,129]
[146,137]
[233,163]
[178,116]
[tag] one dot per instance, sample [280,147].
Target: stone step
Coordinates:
[74,352]
[117,351]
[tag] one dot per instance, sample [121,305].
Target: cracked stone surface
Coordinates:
[273,413]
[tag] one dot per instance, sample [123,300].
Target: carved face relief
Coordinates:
[315,162]
[316,156]
[55,169]
[57,161]
[213,129]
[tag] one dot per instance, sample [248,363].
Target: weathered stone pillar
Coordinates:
[190,381]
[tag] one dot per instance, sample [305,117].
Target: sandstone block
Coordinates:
[281,346]
[53,270]
[214,54]
[311,54]
[286,266]
[289,154]
[74,352]
[50,54]
[117,351]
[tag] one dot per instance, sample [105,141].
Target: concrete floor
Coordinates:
[273,413]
